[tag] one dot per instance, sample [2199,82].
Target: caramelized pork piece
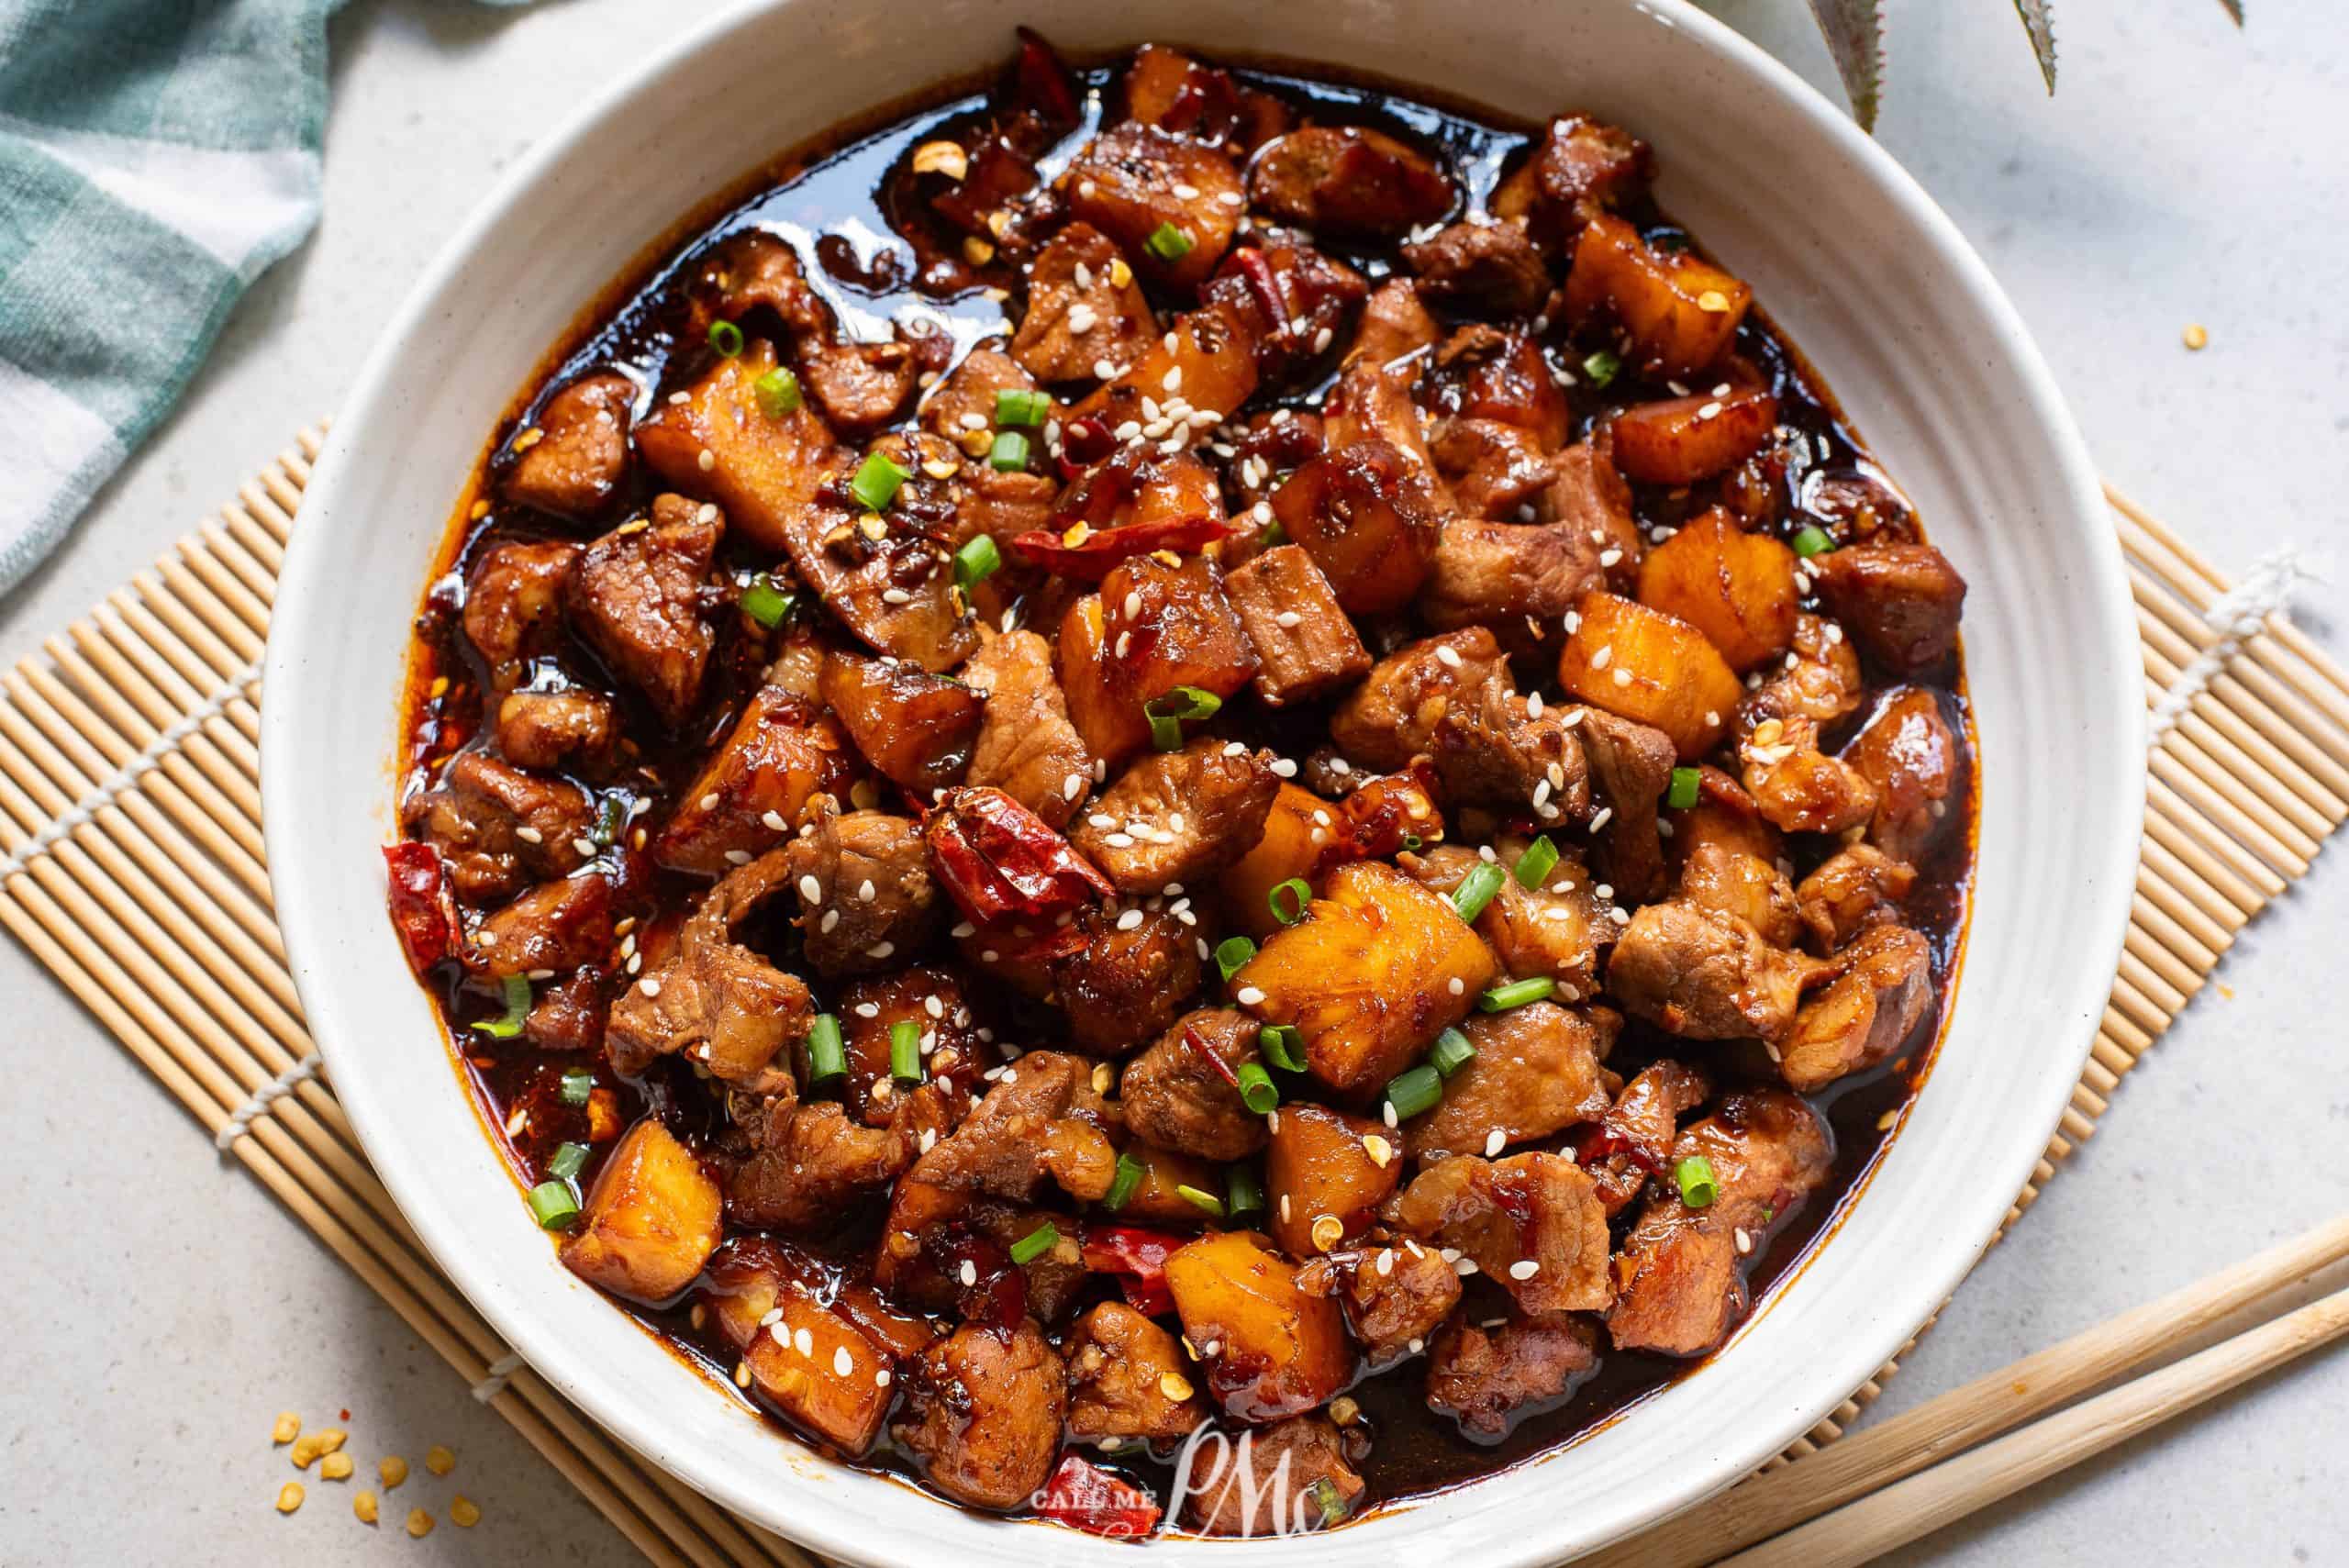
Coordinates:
[1488,373]
[1270,1348]
[859,386]
[828,1361]
[1128,980]
[576,461]
[568,1014]
[1237,1489]
[1729,863]
[1558,929]
[808,1164]
[1652,668]
[1370,520]
[1168,89]
[1374,971]
[1294,300]
[1181,1093]
[1682,1269]
[1306,645]
[1492,469]
[1518,579]
[984,1411]
[1909,753]
[1085,305]
[1634,1140]
[1204,364]
[1485,266]
[1126,1378]
[720,1001]
[1857,886]
[1533,1222]
[1393,717]
[1498,749]
[546,730]
[650,1221]
[639,597]
[1396,1297]
[1536,1072]
[1489,1379]
[1026,746]
[1865,1014]
[1589,496]
[866,901]
[1326,1173]
[1796,787]
[1178,816]
[1374,402]
[1901,601]
[965,400]
[514,603]
[1132,181]
[953,1057]
[1822,683]
[1677,313]
[499,828]
[1581,168]
[557,926]
[914,728]
[1704,975]
[1395,325]
[759,783]
[1348,179]
[1630,763]
[1030,1127]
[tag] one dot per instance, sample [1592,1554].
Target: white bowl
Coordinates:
[1847,254]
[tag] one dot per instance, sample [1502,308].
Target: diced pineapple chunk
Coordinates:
[815,1365]
[1737,588]
[1650,667]
[651,1219]
[1377,969]
[1300,827]
[1269,1350]
[1325,1173]
[1678,311]
[1113,728]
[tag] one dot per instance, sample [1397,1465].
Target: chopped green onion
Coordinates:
[610,818]
[554,1205]
[1232,953]
[826,1058]
[1451,1052]
[1167,712]
[876,482]
[1415,1091]
[1036,1243]
[1675,242]
[1243,1194]
[1256,1091]
[1300,893]
[1811,539]
[1206,1203]
[905,1052]
[1477,890]
[1021,408]
[1699,1186]
[1329,1500]
[1167,243]
[778,392]
[765,603]
[1122,1184]
[726,337]
[976,561]
[1682,795]
[1602,366]
[567,1159]
[1283,1045]
[1540,858]
[517,989]
[1516,993]
[1273,536]
[577,1085]
[1413,842]
[1010,453]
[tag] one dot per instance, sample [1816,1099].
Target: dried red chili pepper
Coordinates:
[1208,1055]
[1098,552]
[1084,1496]
[998,860]
[1384,815]
[422,907]
[1136,1255]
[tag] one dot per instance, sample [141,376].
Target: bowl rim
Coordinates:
[1977,1209]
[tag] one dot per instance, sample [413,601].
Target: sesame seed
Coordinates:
[1447,656]
[1534,705]
[529,835]
[773,821]
[586,848]
[969,1272]
[1103,369]
[1456,985]
[708,460]
[1172,379]
[1283,767]
[1525,1268]
[1129,919]
[1598,819]
[1386,1260]
[1249,996]
[649,985]
[1080,317]
[1744,1242]
[1599,660]
[830,923]
[1622,676]
[737,857]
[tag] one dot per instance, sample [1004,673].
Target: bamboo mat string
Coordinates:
[132,866]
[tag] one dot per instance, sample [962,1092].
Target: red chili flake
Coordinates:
[1095,555]
[1374,821]
[422,906]
[1136,1255]
[1041,84]
[1084,1496]
[1085,440]
[1208,1055]
[999,859]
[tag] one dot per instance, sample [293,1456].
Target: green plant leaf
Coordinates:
[2039,21]
[1855,34]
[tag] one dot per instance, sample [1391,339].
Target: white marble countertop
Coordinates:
[163,1308]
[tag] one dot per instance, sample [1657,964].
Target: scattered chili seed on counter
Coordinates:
[335,1467]
[463,1512]
[419,1523]
[2197,336]
[363,1504]
[394,1470]
[438,1460]
[288,1428]
[289,1496]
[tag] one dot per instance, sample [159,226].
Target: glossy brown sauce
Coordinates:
[837,205]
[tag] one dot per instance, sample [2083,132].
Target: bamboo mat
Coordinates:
[131,865]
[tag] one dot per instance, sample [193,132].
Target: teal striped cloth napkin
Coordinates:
[155,157]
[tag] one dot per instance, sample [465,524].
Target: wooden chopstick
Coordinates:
[1913,1508]
[1864,1461]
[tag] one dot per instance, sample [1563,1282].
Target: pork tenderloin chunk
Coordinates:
[1177,1098]
[514,603]
[575,464]
[1085,305]
[1178,816]
[1704,975]
[720,1001]
[1027,747]
[983,1412]
[1306,644]
[867,902]
[1127,1378]
[1128,981]
[1533,1222]
[1536,1072]
[1864,1014]
[1036,1124]
[639,597]
[1489,1379]
[1237,1489]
